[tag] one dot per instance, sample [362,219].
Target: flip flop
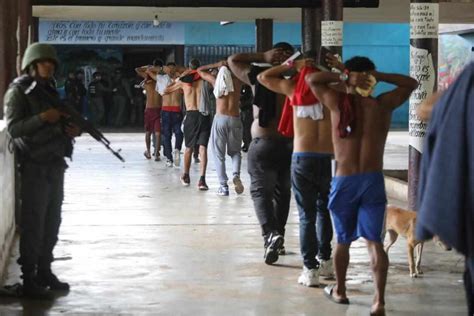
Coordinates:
[147,155]
[380,312]
[328,290]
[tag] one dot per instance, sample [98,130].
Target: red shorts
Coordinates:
[152,120]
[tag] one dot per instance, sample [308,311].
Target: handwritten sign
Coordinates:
[422,69]
[424,20]
[111,32]
[331,33]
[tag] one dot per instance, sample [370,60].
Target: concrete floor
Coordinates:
[134,241]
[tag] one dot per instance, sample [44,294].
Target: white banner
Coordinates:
[331,33]
[424,20]
[422,69]
[111,32]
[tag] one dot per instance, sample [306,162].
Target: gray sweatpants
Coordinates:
[226,133]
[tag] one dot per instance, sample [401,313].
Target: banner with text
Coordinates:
[111,33]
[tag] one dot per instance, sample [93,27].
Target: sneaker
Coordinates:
[223,190]
[326,268]
[238,186]
[309,277]
[282,250]
[169,163]
[274,241]
[202,186]
[177,157]
[48,279]
[185,180]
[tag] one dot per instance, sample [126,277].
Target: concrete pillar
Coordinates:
[263,34]
[8,45]
[311,29]
[35,30]
[332,25]
[26,20]
[424,21]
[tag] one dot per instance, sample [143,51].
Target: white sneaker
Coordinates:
[176,157]
[326,268]
[169,163]
[309,277]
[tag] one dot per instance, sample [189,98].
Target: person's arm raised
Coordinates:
[175,86]
[396,97]
[141,71]
[273,80]
[240,64]
[203,71]
[318,83]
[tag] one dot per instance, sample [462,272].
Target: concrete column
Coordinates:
[35,30]
[332,25]
[424,21]
[263,34]
[311,29]
[25,16]
[8,45]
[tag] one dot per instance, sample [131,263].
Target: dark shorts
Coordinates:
[152,120]
[196,129]
[357,205]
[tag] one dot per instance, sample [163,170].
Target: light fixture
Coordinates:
[226,22]
[156,22]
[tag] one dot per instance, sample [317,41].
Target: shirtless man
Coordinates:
[226,132]
[269,153]
[310,167]
[172,118]
[357,199]
[153,106]
[197,127]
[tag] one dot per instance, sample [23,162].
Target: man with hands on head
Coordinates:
[311,162]
[360,124]
[269,153]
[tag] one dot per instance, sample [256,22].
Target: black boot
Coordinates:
[47,278]
[31,289]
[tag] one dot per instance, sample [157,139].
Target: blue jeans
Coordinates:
[171,123]
[311,182]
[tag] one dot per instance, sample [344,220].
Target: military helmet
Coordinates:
[38,51]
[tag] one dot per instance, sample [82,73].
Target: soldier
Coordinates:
[97,92]
[42,141]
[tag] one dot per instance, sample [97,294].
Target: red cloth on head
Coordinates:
[191,77]
[347,116]
[303,94]
[285,126]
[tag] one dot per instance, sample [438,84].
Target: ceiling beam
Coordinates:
[206,3]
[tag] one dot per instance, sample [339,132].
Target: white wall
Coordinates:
[7,198]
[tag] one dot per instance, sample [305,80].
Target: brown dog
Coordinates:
[403,222]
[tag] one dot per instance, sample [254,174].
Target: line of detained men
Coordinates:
[302,117]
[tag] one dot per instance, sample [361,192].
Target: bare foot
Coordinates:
[377,309]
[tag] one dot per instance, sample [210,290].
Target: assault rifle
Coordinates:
[76,118]
[72,116]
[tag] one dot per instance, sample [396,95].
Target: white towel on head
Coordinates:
[224,83]
[162,82]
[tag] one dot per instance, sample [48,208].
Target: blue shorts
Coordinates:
[357,205]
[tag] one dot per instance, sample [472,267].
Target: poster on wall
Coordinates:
[424,18]
[111,32]
[331,33]
[422,69]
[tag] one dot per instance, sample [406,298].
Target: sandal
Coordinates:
[328,291]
